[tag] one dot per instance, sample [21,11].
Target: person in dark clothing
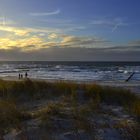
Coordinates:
[26,75]
[19,76]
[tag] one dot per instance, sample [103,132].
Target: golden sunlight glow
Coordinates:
[16,31]
[6,43]
[27,39]
[52,36]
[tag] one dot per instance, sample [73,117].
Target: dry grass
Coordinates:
[10,116]
[94,95]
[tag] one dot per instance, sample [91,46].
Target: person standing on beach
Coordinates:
[26,75]
[19,76]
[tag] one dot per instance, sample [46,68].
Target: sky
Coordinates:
[70,30]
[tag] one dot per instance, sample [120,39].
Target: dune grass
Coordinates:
[10,116]
[28,89]
[92,94]
[39,89]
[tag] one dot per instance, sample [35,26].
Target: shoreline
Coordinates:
[134,86]
[115,83]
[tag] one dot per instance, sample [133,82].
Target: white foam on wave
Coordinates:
[71,72]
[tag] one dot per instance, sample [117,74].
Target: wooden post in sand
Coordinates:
[129,77]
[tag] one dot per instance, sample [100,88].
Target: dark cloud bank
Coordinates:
[73,54]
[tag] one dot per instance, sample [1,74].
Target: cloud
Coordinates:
[23,31]
[57,21]
[66,25]
[72,28]
[69,54]
[38,39]
[44,37]
[41,38]
[134,43]
[16,31]
[112,23]
[51,44]
[116,26]
[46,13]
[10,44]
[75,41]
[69,41]
[52,36]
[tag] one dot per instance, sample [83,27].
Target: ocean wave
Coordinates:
[72,71]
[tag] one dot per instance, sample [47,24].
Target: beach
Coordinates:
[69,100]
[67,110]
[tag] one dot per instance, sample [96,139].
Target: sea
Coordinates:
[73,71]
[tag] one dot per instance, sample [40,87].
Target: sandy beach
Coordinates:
[65,110]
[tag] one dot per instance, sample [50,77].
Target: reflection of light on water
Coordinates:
[57,66]
[125,71]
